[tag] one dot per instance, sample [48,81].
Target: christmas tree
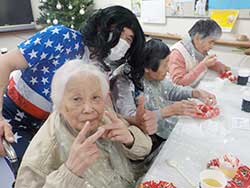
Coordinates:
[71,13]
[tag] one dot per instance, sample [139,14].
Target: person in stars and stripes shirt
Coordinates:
[109,34]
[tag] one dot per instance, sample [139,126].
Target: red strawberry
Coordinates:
[204,108]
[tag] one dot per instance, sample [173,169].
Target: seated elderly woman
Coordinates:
[160,95]
[81,144]
[189,58]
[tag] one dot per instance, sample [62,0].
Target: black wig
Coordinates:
[96,34]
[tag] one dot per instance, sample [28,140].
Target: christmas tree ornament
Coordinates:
[82,11]
[71,13]
[70,6]
[55,21]
[58,5]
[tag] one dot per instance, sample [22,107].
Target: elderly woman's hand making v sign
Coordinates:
[84,151]
[117,130]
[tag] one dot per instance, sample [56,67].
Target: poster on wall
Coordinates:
[136,7]
[201,7]
[180,7]
[225,18]
[229,4]
[153,11]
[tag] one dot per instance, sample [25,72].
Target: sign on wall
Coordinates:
[225,18]
[153,11]
[136,7]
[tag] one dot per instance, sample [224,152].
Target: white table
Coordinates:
[194,142]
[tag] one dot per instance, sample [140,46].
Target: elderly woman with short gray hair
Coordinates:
[189,59]
[82,144]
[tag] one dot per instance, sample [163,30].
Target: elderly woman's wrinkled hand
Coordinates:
[224,69]
[209,60]
[184,107]
[116,130]
[207,97]
[227,68]
[83,151]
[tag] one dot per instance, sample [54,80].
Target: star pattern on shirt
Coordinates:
[66,36]
[34,69]
[48,43]
[45,70]
[44,81]
[55,62]
[68,50]
[32,54]
[45,52]
[27,42]
[74,35]
[22,50]
[33,80]
[67,60]
[19,115]
[46,91]
[37,41]
[44,30]
[78,56]
[8,120]
[55,31]
[59,47]
[16,137]
[43,56]
[76,46]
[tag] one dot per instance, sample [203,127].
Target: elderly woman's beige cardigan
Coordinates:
[43,163]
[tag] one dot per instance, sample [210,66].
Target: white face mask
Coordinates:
[118,51]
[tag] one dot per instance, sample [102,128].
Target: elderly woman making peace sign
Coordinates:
[81,144]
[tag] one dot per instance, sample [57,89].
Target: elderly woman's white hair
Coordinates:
[69,69]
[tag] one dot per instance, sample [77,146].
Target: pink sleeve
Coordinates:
[218,67]
[177,69]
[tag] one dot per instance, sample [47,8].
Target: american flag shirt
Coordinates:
[44,52]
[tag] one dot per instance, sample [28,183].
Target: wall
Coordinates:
[231,56]
[180,26]
[177,25]
[173,25]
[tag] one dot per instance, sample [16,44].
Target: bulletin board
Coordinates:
[188,7]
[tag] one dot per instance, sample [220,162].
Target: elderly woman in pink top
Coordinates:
[189,59]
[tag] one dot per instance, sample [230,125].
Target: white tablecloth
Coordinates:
[194,142]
